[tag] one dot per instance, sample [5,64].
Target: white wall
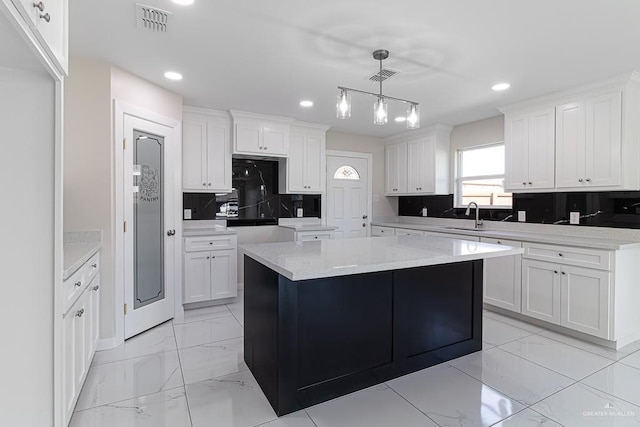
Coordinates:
[27,247]
[88,165]
[482,132]
[382,206]
[89,156]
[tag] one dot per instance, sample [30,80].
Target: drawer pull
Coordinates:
[80,312]
[78,283]
[315,237]
[564,274]
[560,254]
[211,243]
[96,287]
[499,242]
[555,271]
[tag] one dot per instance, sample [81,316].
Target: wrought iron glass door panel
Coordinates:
[148,224]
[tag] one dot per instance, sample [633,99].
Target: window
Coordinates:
[346,172]
[480,177]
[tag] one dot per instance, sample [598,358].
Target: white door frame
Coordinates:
[353,154]
[120,110]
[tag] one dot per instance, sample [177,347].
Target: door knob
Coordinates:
[364,225]
[364,217]
[46,17]
[39,6]
[171,233]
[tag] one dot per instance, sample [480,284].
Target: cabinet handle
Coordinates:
[499,242]
[266,147]
[96,287]
[39,6]
[588,179]
[204,184]
[78,283]
[555,271]
[564,274]
[213,257]
[207,257]
[580,180]
[94,265]
[530,183]
[211,243]
[46,17]
[315,237]
[80,312]
[560,255]
[524,183]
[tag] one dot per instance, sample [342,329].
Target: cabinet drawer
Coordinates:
[591,258]
[210,243]
[378,230]
[305,237]
[408,232]
[514,243]
[75,284]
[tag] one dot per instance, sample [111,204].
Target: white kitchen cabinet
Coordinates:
[418,162]
[408,232]
[206,151]
[529,151]
[541,290]
[396,169]
[503,278]
[586,299]
[589,142]
[48,19]
[197,277]
[256,134]
[80,328]
[210,268]
[381,231]
[421,154]
[304,171]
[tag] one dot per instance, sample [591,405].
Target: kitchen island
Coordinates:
[326,318]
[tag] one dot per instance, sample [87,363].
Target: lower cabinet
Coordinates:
[210,275]
[541,291]
[79,337]
[574,297]
[503,278]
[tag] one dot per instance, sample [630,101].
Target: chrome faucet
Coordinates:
[468,211]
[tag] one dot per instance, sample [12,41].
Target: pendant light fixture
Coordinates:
[380,108]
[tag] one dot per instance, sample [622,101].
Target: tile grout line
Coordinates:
[406,400]
[606,392]
[309,415]
[184,384]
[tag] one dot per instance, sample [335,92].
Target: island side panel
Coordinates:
[438,314]
[261,326]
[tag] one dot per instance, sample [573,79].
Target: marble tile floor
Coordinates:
[191,373]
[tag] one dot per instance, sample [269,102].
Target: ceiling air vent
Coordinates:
[383,75]
[150,18]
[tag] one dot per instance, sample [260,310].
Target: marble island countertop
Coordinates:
[206,228]
[525,236]
[331,258]
[79,247]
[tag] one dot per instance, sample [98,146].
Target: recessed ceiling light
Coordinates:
[500,86]
[172,75]
[306,103]
[401,119]
[183,2]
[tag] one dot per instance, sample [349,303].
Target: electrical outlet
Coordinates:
[299,212]
[574,217]
[522,216]
[187,214]
[424,211]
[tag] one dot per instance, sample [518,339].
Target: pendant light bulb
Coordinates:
[343,106]
[413,117]
[380,112]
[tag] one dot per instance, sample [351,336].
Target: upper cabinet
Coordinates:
[529,150]
[589,143]
[304,171]
[260,135]
[588,139]
[48,22]
[206,151]
[418,162]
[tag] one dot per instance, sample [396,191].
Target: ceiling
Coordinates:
[265,56]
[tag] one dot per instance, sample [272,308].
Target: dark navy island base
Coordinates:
[310,341]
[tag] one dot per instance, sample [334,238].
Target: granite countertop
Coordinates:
[341,257]
[554,239]
[309,227]
[79,247]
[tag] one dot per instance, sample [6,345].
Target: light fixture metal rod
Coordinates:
[406,101]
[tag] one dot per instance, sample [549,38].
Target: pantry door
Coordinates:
[349,190]
[149,228]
